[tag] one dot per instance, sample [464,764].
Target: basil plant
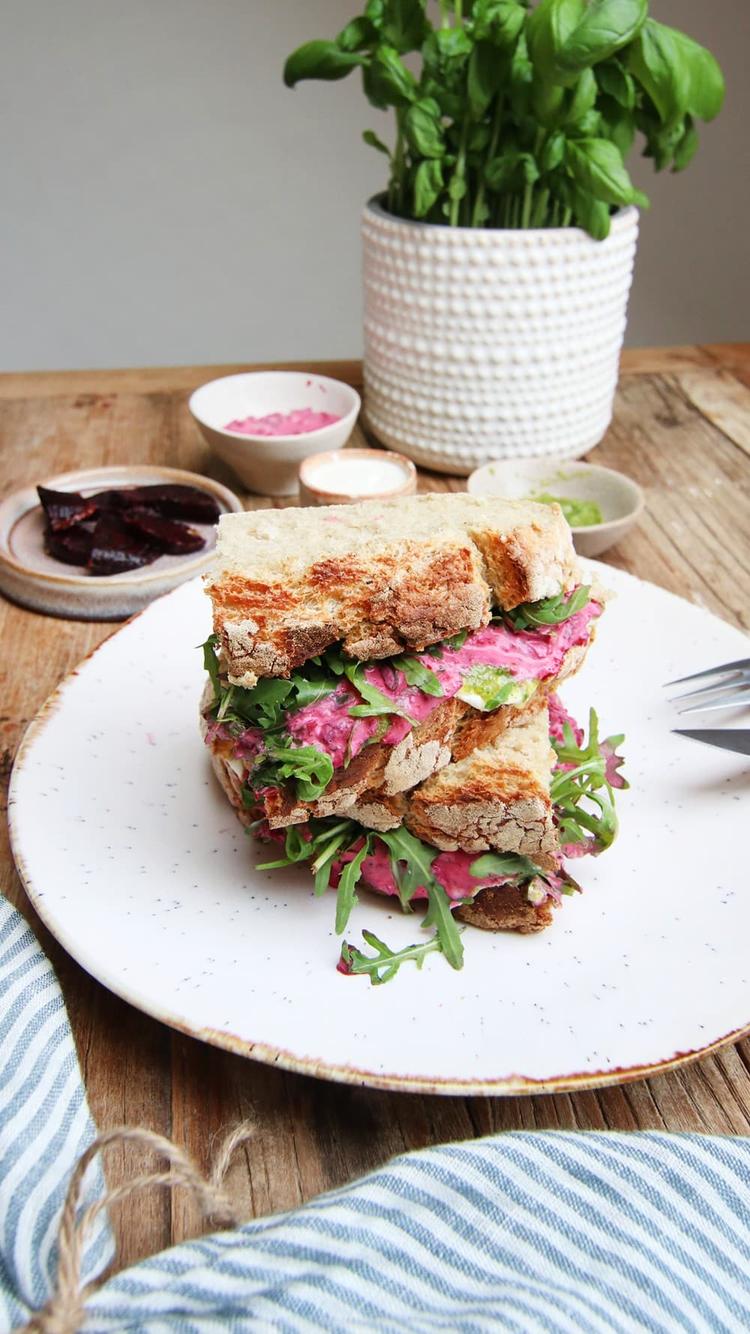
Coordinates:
[521,114]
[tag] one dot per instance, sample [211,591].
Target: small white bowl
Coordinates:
[334,478]
[269,465]
[619,499]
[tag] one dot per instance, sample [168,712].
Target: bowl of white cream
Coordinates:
[342,477]
[263,424]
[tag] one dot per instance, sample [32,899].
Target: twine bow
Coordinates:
[65,1311]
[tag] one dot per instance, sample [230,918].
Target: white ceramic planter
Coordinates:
[487,344]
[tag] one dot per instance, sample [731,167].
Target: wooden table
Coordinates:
[682,430]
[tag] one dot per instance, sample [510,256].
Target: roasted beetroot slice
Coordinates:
[109,500]
[116,548]
[175,502]
[63,509]
[72,546]
[176,539]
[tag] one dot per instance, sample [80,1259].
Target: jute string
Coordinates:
[65,1312]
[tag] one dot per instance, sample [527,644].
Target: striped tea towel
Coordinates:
[520,1232]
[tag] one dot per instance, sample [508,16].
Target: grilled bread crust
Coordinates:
[496,798]
[379,577]
[506,908]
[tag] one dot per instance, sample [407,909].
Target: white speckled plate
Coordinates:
[29,576]
[135,862]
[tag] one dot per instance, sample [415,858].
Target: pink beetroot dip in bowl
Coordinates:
[267,462]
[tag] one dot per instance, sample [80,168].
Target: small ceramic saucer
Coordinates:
[29,576]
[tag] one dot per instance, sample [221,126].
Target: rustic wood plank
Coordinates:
[680,430]
[723,399]
[733,357]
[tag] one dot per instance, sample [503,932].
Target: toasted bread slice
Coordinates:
[496,798]
[506,908]
[377,577]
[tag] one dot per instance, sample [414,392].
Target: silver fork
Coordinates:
[730,690]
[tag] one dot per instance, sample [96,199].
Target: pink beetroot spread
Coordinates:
[297,422]
[558,717]
[527,655]
[452,870]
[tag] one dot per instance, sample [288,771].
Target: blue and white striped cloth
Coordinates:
[520,1232]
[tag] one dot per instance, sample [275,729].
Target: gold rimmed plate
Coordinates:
[136,863]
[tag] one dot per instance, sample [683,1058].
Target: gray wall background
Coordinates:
[166,200]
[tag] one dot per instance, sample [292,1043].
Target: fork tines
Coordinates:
[730,689]
[741,665]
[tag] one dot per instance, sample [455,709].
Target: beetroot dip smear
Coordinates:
[528,655]
[297,422]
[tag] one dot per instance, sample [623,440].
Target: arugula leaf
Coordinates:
[337,838]
[376,703]
[385,963]
[549,611]
[417,674]
[585,778]
[211,665]
[411,862]
[346,896]
[506,864]
[296,849]
[457,641]
[440,916]
[310,689]
[311,768]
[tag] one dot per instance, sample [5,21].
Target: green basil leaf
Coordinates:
[387,80]
[582,99]
[423,129]
[319,60]
[498,21]
[617,83]
[661,69]
[706,87]
[599,171]
[686,148]
[404,24]
[428,186]
[346,896]
[511,170]
[604,28]
[440,916]
[553,151]
[547,30]
[372,140]
[357,35]
[618,124]
[485,75]
[548,102]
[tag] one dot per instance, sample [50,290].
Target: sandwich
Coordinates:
[381,703]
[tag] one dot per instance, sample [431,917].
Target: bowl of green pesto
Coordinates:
[600,504]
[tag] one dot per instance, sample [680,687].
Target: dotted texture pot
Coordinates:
[490,344]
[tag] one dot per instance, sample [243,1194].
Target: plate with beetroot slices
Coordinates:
[101,543]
